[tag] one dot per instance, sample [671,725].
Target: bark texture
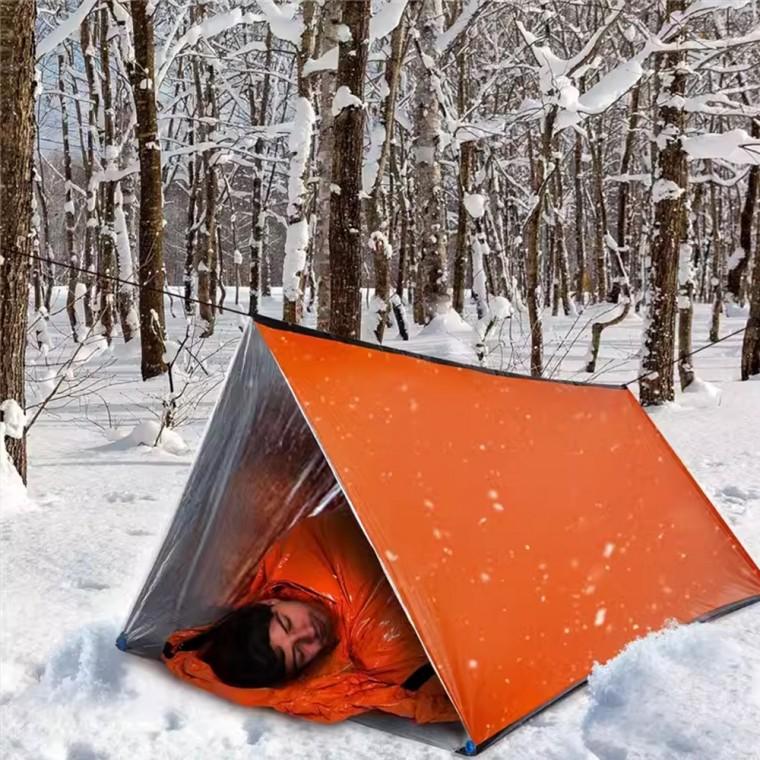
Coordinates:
[151,267]
[431,220]
[17,21]
[345,204]
[669,198]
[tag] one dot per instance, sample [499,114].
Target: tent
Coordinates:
[528,527]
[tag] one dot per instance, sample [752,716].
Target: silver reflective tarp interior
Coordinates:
[258,470]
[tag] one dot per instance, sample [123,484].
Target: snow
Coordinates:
[344,98]
[735,146]
[475,203]
[13,495]
[665,189]
[73,559]
[386,18]
[70,25]
[326,62]
[149,433]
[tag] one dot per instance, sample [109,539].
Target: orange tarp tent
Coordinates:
[528,527]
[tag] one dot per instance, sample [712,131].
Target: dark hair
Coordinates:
[238,650]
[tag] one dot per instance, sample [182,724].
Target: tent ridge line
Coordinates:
[705,498]
[278,324]
[714,614]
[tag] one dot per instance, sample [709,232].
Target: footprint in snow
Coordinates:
[174,721]
[84,751]
[736,495]
[89,585]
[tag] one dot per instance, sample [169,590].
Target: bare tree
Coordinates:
[151,269]
[431,217]
[669,198]
[17,79]
[300,145]
[345,202]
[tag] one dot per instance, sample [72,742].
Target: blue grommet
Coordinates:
[121,642]
[470,747]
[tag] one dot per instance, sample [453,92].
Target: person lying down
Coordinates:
[320,635]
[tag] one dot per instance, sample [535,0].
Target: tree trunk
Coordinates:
[669,198]
[431,218]
[331,13]
[600,216]
[685,315]
[345,202]
[69,214]
[751,344]
[300,145]
[91,224]
[17,60]
[624,191]
[718,258]
[466,157]
[191,231]
[580,222]
[378,217]
[151,269]
[740,259]
[107,262]
[207,252]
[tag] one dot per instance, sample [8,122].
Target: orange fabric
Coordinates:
[529,528]
[328,557]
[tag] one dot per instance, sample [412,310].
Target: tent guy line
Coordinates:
[240,312]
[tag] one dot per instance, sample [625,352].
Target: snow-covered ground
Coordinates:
[75,552]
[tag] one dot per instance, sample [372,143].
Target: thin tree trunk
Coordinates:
[685,315]
[331,13]
[17,79]
[431,219]
[378,217]
[751,345]
[69,214]
[466,158]
[718,259]
[740,260]
[151,269]
[107,262]
[600,216]
[345,204]
[191,232]
[91,223]
[624,191]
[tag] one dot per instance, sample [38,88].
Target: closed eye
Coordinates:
[284,623]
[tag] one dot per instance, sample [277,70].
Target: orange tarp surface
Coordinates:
[529,528]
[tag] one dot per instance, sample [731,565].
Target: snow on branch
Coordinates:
[386,19]
[282,21]
[736,147]
[70,25]
[463,21]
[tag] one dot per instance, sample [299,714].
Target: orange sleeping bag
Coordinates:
[327,557]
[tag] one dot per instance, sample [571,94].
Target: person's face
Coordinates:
[299,630]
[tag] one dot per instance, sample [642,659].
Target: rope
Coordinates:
[691,353]
[246,314]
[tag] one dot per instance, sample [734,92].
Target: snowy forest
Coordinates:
[554,188]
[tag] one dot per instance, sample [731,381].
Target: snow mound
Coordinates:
[146,433]
[667,696]
[13,496]
[86,666]
[449,323]
[701,394]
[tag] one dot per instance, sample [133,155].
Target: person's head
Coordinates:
[267,643]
